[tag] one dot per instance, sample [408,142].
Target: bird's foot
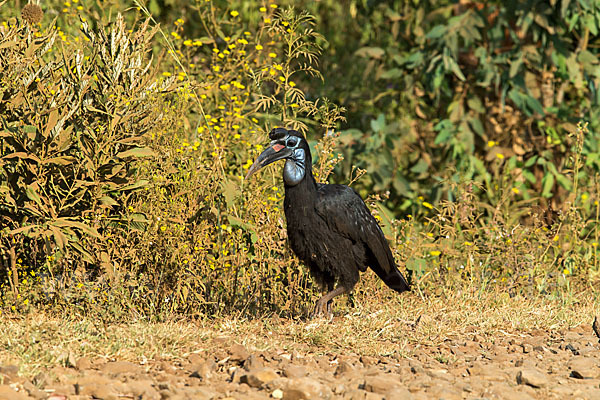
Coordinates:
[322,309]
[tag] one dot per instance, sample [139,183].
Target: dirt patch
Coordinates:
[535,364]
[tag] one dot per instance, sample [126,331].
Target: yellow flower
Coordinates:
[273,5]
[258,47]
[566,271]
[491,143]
[272,55]
[468,243]
[595,244]
[292,83]
[427,205]
[515,190]
[163,228]
[500,156]
[435,253]
[263,9]
[584,196]
[234,13]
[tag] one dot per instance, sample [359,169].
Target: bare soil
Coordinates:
[536,364]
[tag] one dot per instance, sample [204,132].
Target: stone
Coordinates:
[277,394]
[143,389]
[253,362]
[11,371]
[398,393]
[344,368]
[8,393]
[532,377]
[98,391]
[305,388]
[238,353]
[203,371]
[381,383]
[258,378]
[368,361]
[294,371]
[41,379]
[119,367]
[584,367]
[505,392]
[355,394]
[195,358]
[83,363]
[34,391]
[445,392]
[487,371]
[527,348]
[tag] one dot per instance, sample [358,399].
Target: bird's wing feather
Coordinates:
[345,212]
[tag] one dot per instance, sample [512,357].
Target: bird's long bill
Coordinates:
[270,155]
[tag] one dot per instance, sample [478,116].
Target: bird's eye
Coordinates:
[292,141]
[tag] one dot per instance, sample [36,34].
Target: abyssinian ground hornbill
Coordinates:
[329,226]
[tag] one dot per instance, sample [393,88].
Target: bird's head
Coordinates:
[288,145]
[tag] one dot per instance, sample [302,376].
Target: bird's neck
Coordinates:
[302,193]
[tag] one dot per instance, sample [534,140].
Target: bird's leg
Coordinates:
[330,302]
[322,307]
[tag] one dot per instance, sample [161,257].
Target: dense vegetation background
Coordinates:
[127,127]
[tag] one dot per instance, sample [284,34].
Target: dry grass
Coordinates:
[397,325]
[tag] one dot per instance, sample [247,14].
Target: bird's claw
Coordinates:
[322,309]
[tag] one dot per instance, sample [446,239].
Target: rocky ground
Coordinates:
[531,365]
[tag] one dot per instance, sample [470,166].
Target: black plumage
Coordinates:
[329,227]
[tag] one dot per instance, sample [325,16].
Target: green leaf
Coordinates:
[33,195]
[443,137]
[370,52]
[547,185]
[530,161]
[420,167]
[108,201]
[529,176]
[393,73]
[475,104]
[456,69]
[417,266]
[590,22]
[534,104]
[515,67]
[377,125]
[137,152]
[564,181]
[64,222]
[230,191]
[136,185]
[248,227]
[64,160]
[437,32]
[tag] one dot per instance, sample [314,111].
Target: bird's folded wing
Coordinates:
[345,212]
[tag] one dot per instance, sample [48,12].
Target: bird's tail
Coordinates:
[395,280]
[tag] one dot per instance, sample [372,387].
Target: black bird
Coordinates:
[329,226]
